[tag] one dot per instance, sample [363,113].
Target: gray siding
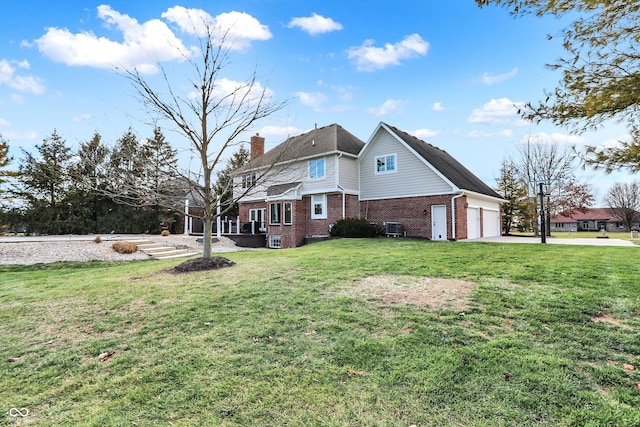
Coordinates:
[412,176]
[348,169]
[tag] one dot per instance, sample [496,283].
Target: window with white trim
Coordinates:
[316,168]
[319,206]
[259,217]
[274,213]
[288,213]
[275,242]
[386,163]
[248,180]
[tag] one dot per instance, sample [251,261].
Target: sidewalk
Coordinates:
[554,241]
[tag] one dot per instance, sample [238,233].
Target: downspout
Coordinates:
[453,214]
[344,203]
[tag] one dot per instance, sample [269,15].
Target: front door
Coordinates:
[439,222]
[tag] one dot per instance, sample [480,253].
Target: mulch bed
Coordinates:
[202,264]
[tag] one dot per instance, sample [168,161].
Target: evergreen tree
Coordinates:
[164,195]
[89,178]
[127,172]
[224,183]
[43,185]
[514,191]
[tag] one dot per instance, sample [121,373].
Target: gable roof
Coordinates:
[589,214]
[444,163]
[328,139]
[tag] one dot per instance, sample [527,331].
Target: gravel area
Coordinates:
[84,248]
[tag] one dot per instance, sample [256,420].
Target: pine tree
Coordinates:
[43,184]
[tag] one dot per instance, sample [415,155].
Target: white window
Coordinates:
[386,164]
[288,213]
[275,242]
[248,180]
[316,169]
[319,206]
[274,213]
[258,216]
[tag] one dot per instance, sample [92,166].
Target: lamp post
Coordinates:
[543,220]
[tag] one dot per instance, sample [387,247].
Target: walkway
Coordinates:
[554,241]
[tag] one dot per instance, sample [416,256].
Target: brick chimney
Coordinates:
[257,146]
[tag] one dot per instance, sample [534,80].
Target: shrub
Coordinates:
[353,227]
[165,233]
[98,239]
[125,247]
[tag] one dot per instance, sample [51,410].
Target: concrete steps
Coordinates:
[160,251]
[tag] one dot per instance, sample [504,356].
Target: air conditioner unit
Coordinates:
[393,229]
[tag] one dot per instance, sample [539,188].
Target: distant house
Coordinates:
[592,219]
[400,183]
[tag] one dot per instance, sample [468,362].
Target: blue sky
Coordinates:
[445,71]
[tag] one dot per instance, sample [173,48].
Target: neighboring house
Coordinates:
[591,219]
[397,181]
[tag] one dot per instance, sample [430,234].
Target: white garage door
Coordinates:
[490,223]
[473,223]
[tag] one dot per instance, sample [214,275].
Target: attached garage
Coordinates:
[490,223]
[473,223]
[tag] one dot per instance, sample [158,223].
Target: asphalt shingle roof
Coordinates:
[319,141]
[449,167]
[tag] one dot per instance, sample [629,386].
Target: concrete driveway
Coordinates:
[554,241]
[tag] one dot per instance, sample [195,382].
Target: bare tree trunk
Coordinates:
[208,225]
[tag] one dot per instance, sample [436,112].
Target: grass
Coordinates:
[549,337]
[623,235]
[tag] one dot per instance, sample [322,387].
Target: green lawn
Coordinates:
[626,235]
[550,335]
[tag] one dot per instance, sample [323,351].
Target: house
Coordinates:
[591,219]
[403,185]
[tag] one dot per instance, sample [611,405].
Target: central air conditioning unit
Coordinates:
[393,229]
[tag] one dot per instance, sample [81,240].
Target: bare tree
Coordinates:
[553,165]
[212,116]
[624,202]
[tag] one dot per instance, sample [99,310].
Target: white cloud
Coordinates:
[368,57]
[238,29]
[13,135]
[4,122]
[389,106]
[496,112]
[437,106]
[231,92]
[548,138]
[506,133]
[315,24]
[143,45]
[315,100]
[11,77]
[425,133]
[277,134]
[491,79]
[81,117]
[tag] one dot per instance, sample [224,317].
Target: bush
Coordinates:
[98,239]
[353,227]
[165,233]
[125,247]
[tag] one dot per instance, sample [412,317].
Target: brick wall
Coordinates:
[245,207]
[414,213]
[410,212]
[461,218]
